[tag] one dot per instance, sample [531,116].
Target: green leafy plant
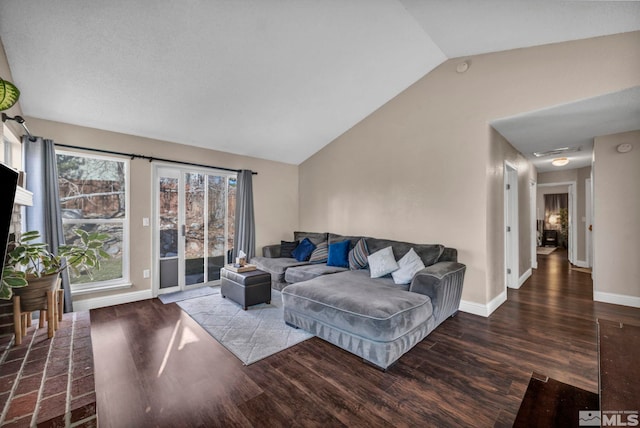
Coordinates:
[11,278]
[29,258]
[564,225]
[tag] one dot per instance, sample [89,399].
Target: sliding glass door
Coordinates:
[194,226]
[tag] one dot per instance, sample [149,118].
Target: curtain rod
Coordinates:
[149,158]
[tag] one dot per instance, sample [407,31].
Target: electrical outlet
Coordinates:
[145,221]
[146,273]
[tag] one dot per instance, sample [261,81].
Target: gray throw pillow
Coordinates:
[287,247]
[382,263]
[410,264]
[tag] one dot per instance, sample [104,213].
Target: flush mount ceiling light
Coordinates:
[9,94]
[559,161]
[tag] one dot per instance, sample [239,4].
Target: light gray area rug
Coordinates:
[250,335]
[188,294]
[545,250]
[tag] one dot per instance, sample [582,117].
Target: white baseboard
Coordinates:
[483,310]
[617,299]
[581,263]
[116,299]
[524,277]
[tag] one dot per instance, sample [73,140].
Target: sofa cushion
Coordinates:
[303,273]
[303,250]
[382,262]
[287,247]
[314,237]
[410,264]
[449,255]
[320,254]
[339,254]
[353,240]
[271,250]
[351,301]
[429,253]
[358,255]
[276,267]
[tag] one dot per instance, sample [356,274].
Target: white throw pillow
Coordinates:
[410,264]
[382,262]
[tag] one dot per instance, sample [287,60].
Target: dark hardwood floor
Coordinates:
[156,367]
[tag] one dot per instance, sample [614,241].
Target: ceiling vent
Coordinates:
[558,151]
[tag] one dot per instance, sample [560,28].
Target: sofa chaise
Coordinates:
[374,318]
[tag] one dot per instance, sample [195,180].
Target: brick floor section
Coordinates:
[49,382]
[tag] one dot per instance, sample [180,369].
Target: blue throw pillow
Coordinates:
[303,250]
[339,254]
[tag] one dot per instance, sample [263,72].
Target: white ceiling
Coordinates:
[268,78]
[572,125]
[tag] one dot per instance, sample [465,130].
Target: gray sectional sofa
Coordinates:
[374,318]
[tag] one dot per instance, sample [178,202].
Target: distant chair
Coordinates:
[550,238]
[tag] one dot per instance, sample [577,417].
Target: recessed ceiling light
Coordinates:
[559,161]
[558,151]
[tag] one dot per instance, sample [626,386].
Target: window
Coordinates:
[10,150]
[94,197]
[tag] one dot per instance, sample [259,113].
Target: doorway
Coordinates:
[555,221]
[193,226]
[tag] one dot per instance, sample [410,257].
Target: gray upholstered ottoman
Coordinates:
[246,288]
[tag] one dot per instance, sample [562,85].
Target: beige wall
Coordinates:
[500,152]
[421,168]
[617,220]
[275,187]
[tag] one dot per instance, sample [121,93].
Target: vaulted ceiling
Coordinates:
[267,78]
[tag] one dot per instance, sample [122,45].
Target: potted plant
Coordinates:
[29,262]
[564,226]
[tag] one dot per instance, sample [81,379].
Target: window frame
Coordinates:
[125,280]
[11,148]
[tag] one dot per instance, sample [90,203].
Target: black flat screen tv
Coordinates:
[8,186]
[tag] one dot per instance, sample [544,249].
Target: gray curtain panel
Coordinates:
[553,203]
[45,214]
[245,229]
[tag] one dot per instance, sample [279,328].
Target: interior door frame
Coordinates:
[573,210]
[588,239]
[533,201]
[510,229]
